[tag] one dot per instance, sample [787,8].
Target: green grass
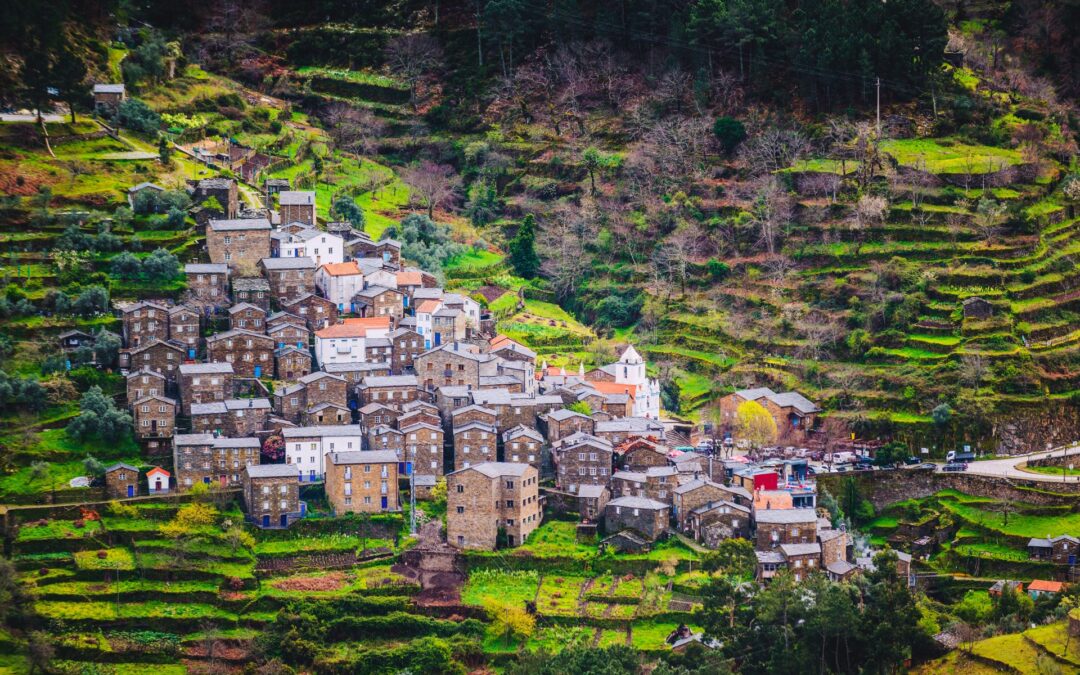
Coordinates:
[358,76]
[510,587]
[1053,470]
[943,156]
[115,559]
[471,260]
[1053,638]
[651,635]
[1019,524]
[57,529]
[108,611]
[1009,650]
[822,165]
[559,595]
[556,539]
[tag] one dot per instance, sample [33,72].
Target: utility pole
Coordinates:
[412,498]
[877,84]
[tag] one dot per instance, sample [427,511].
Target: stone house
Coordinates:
[108,97]
[326,413]
[207,283]
[246,416]
[74,339]
[315,311]
[618,430]
[202,458]
[378,350]
[272,495]
[224,190]
[419,411]
[784,526]
[287,333]
[204,383]
[474,443]
[386,438]
[354,373]
[523,444]
[144,322]
[143,383]
[247,316]
[289,277]
[278,318]
[405,346]
[802,559]
[791,411]
[121,480]
[1063,549]
[977,308]
[184,329]
[209,418]
[424,447]
[239,241]
[562,423]
[323,387]
[378,414]
[639,454]
[158,356]
[473,413]
[714,522]
[449,399]
[362,482]
[582,460]
[646,517]
[454,364]
[833,546]
[252,290]
[487,497]
[591,501]
[154,418]
[657,482]
[291,362]
[380,301]
[394,390]
[251,354]
[297,206]
[689,496]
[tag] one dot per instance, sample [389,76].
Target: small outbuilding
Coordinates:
[121,480]
[157,481]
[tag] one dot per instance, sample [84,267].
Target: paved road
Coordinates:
[1006,468]
[50,118]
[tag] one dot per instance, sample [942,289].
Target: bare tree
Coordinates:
[411,57]
[432,184]
[231,28]
[771,213]
[973,370]
[870,210]
[563,241]
[987,220]
[820,185]
[774,149]
[353,129]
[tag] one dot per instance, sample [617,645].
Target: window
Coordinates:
[461,509]
[460,489]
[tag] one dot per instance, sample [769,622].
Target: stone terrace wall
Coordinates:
[883,488]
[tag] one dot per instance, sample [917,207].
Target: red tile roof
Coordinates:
[354,327]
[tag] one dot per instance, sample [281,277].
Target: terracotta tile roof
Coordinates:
[413,278]
[1046,586]
[614,388]
[772,499]
[342,269]
[428,306]
[354,327]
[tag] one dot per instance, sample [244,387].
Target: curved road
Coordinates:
[1006,468]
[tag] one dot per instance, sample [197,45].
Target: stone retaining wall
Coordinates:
[882,488]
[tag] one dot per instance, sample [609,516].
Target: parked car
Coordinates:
[955,466]
[912,461]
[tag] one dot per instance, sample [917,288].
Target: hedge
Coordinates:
[400,625]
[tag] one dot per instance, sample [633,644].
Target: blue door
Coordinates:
[300,345]
[191,353]
[266,521]
[438,339]
[258,371]
[284,520]
[206,480]
[131,491]
[1072,560]
[303,509]
[384,503]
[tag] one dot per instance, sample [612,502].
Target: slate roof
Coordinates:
[785,516]
[638,503]
[273,471]
[364,457]
[236,224]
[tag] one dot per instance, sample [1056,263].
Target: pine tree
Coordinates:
[523,257]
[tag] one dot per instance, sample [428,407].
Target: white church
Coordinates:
[630,370]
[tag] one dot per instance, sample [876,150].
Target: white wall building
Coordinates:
[345,342]
[322,247]
[630,370]
[306,447]
[339,282]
